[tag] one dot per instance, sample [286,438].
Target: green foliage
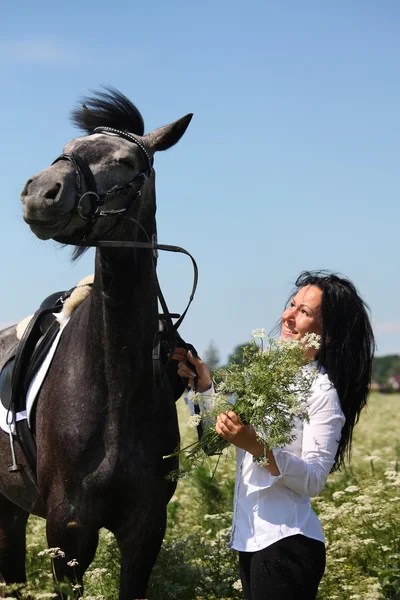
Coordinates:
[195,562]
[236,358]
[384,367]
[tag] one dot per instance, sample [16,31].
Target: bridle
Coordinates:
[96,202]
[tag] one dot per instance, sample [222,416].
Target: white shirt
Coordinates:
[268,508]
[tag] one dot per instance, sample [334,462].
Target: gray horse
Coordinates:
[101,424]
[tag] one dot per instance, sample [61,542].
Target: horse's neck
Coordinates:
[124,299]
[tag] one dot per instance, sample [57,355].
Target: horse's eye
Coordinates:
[127,162]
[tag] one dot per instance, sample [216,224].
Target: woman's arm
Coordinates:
[307,474]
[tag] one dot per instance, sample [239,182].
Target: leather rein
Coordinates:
[89,205]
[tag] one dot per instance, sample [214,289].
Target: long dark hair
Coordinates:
[347,348]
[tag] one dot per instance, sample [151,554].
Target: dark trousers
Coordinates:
[290,569]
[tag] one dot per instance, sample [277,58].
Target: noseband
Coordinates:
[96,200]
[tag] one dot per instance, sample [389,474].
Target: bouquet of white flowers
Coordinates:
[268,390]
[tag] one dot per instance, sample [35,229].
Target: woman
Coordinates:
[278,535]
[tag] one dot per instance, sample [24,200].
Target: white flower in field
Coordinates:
[237,585]
[52,553]
[76,586]
[337,495]
[45,595]
[96,574]
[194,420]
[352,489]
[214,517]
[258,333]
[371,458]
[73,563]
[374,592]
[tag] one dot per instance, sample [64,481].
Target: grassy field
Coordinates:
[359,509]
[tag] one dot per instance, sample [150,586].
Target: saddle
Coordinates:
[22,365]
[27,356]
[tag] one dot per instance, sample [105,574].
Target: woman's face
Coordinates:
[303,315]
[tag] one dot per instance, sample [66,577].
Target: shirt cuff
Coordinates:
[282,459]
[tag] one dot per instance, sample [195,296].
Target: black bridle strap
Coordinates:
[80,166]
[154,247]
[97,200]
[131,138]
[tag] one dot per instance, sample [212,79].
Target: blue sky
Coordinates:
[290,162]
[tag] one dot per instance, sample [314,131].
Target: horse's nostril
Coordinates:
[25,190]
[52,193]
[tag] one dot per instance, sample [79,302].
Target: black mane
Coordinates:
[108,109]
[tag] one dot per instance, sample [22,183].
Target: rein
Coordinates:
[96,201]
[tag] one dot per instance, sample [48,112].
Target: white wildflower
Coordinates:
[191,395]
[237,585]
[258,333]
[368,541]
[52,553]
[194,420]
[337,495]
[311,340]
[96,574]
[214,517]
[73,563]
[352,489]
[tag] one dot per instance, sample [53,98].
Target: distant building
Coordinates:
[393,383]
[375,387]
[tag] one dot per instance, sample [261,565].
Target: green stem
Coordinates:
[180,451]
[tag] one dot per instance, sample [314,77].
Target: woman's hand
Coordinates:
[231,429]
[243,436]
[186,371]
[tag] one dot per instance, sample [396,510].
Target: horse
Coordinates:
[101,424]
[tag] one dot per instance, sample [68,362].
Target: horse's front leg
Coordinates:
[12,541]
[71,530]
[139,544]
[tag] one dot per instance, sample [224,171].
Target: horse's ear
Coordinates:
[167,136]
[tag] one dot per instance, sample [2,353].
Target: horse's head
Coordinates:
[101,176]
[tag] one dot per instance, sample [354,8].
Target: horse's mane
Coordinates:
[108,109]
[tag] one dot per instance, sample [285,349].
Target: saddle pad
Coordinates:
[35,384]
